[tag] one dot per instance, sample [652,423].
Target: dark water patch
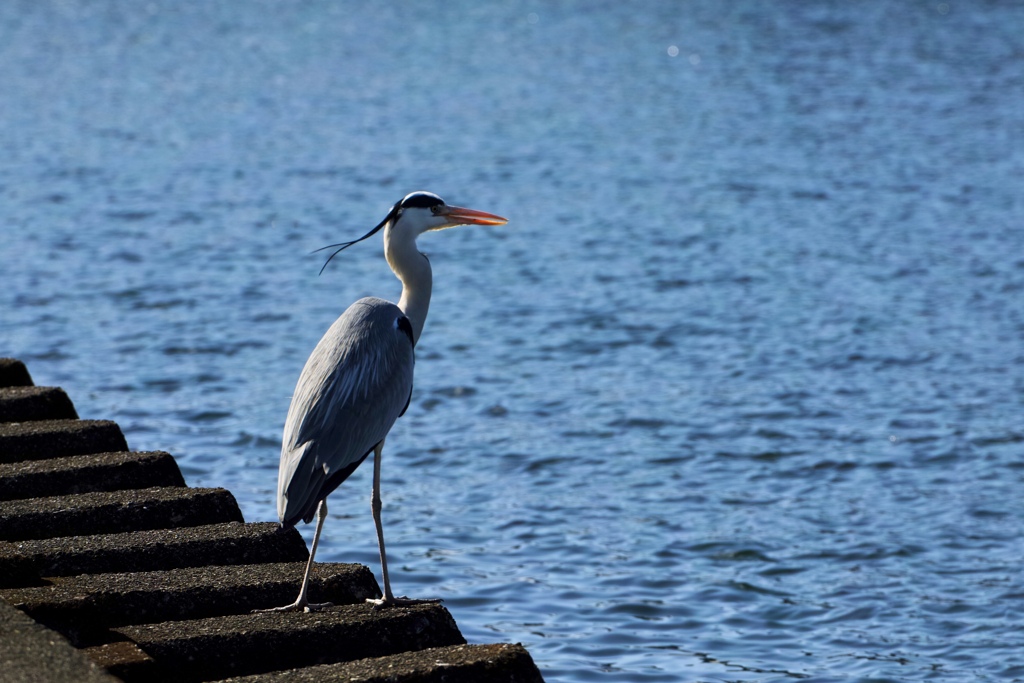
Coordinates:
[126,257]
[255,440]
[130,216]
[202,416]
[120,388]
[670,459]
[165,385]
[553,463]
[455,392]
[638,423]
[224,349]
[939,459]
[782,571]
[775,456]
[997,440]
[773,435]
[164,304]
[677,283]
[815,195]
[187,218]
[986,513]
[742,555]
[772,415]
[270,318]
[589,434]
[34,300]
[903,423]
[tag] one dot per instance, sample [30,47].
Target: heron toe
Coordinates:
[298,607]
[381,603]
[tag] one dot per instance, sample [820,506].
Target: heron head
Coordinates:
[420,212]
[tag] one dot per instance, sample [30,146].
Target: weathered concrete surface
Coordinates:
[24,563]
[21,404]
[30,653]
[103,512]
[121,658]
[84,607]
[85,473]
[40,439]
[206,649]
[13,373]
[500,663]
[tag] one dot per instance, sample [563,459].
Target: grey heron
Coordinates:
[358,381]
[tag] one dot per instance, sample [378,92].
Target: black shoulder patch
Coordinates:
[420,200]
[405,326]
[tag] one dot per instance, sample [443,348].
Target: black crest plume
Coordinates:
[395,211]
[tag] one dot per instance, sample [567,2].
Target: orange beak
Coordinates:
[472,216]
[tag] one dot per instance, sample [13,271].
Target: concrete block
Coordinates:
[13,373]
[82,608]
[30,653]
[40,439]
[106,512]
[22,404]
[120,657]
[25,563]
[85,473]
[206,649]
[498,663]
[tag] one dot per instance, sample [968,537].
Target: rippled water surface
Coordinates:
[737,395]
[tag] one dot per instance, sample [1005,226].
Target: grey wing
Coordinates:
[354,386]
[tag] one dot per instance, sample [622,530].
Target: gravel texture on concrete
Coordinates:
[84,473]
[31,653]
[41,439]
[104,512]
[21,404]
[498,663]
[24,563]
[84,607]
[251,643]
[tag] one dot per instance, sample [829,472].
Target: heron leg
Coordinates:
[302,602]
[389,598]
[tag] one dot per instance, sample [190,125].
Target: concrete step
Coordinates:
[31,653]
[498,663]
[13,373]
[21,404]
[26,563]
[41,439]
[85,473]
[207,649]
[104,512]
[83,608]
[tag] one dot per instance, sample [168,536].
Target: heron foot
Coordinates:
[298,607]
[381,603]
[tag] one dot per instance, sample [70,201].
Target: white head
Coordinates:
[420,212]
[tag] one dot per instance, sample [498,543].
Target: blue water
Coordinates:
[737,395]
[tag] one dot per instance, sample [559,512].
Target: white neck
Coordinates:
[413,269]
